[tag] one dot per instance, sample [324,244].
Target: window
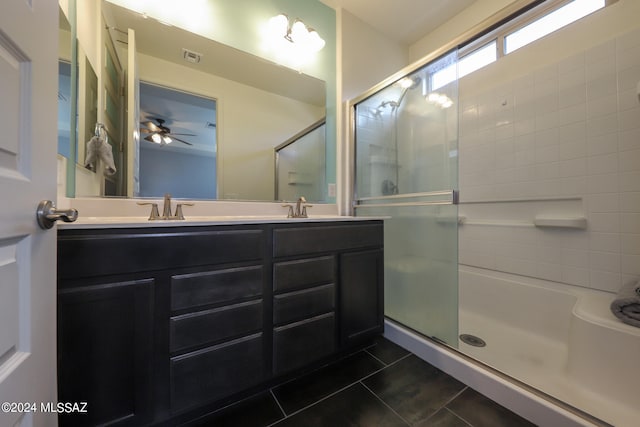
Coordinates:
[551,22]
[524,29]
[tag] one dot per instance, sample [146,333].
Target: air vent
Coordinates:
[191,56]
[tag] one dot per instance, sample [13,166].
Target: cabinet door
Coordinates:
[361,296]
[105,352]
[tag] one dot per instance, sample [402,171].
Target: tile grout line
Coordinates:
[370,354]
[458,416]
[339,390]
[278,403]
[444,406]
[385,403]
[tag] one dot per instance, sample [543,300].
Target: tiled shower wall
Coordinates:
[561,141]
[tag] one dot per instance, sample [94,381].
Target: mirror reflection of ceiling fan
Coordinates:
[160,134]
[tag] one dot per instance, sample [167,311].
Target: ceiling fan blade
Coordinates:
[145,130]
[183,134]
[152,126]
[178,139]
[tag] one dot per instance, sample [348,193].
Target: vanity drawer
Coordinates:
[299,274]
[96,253]
[209,326]
[307,240]
[216,372]
[297,344]
[294,306]
[215,287]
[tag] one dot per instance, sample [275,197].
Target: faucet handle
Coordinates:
[304,210]
[179,214]
[155,214]
[290,211]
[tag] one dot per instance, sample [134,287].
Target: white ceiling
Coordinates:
[404,21]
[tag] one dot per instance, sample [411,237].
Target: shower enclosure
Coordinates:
[406,169]
[542,143]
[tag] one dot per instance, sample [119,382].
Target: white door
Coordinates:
[28,145]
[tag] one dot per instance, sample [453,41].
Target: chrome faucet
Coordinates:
[166,207]
[300,209]
[298,212]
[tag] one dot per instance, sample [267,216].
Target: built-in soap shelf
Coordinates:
[560,222]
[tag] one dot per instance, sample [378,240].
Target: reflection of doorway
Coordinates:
[185,170]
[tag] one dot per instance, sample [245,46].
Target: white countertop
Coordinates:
[138,222]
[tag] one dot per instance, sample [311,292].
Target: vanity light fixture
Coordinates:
[297,33]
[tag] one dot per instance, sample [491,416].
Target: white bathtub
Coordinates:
[559,339]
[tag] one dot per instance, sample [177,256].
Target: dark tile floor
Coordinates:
[382,386]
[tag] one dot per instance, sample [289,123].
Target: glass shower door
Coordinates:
[406,170]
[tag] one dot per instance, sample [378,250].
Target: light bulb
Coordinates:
[278,25]
[166,139]
[315,41]
[299,33]
[156,138]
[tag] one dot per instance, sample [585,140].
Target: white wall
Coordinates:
[368,57]
[554,130]
[251,122]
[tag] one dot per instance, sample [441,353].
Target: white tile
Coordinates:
[604,222]
[601,143]
[630,160]
[629,119]
[629,181]
[547,102]
[576,94]
[605,242]
[548,188]
[505,176]
[549,271]
[526,173]
[571,239]
[605,280]
[573,186]
[630,202]
[602,164]
[576,77]
[572,148]
[630,264]
[628,40]
[515,250]
[546,74]
[573,167]
[630,58]
[603,51]
[546,171]
[606,183]
[602,86]
[629,140]
[602,106]
[630,244]
[628,78]
[575,276]
[630,223]
[575,258]
[604,261]
[547,154]
[523,127]
[516,266]
[525,157]
[547,137]
[572,114]
[571,63]
[603,202]
[628,99]
[504,131]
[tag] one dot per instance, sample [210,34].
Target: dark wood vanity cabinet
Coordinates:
[155,324]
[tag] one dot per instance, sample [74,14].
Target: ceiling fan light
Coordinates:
[299,32]
[156,138]
[166,139]
[278,25]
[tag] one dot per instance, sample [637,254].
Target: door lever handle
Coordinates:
[47,214]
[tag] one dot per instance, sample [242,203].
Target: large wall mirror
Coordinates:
[196,117]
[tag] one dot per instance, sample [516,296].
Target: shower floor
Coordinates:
[531,357]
